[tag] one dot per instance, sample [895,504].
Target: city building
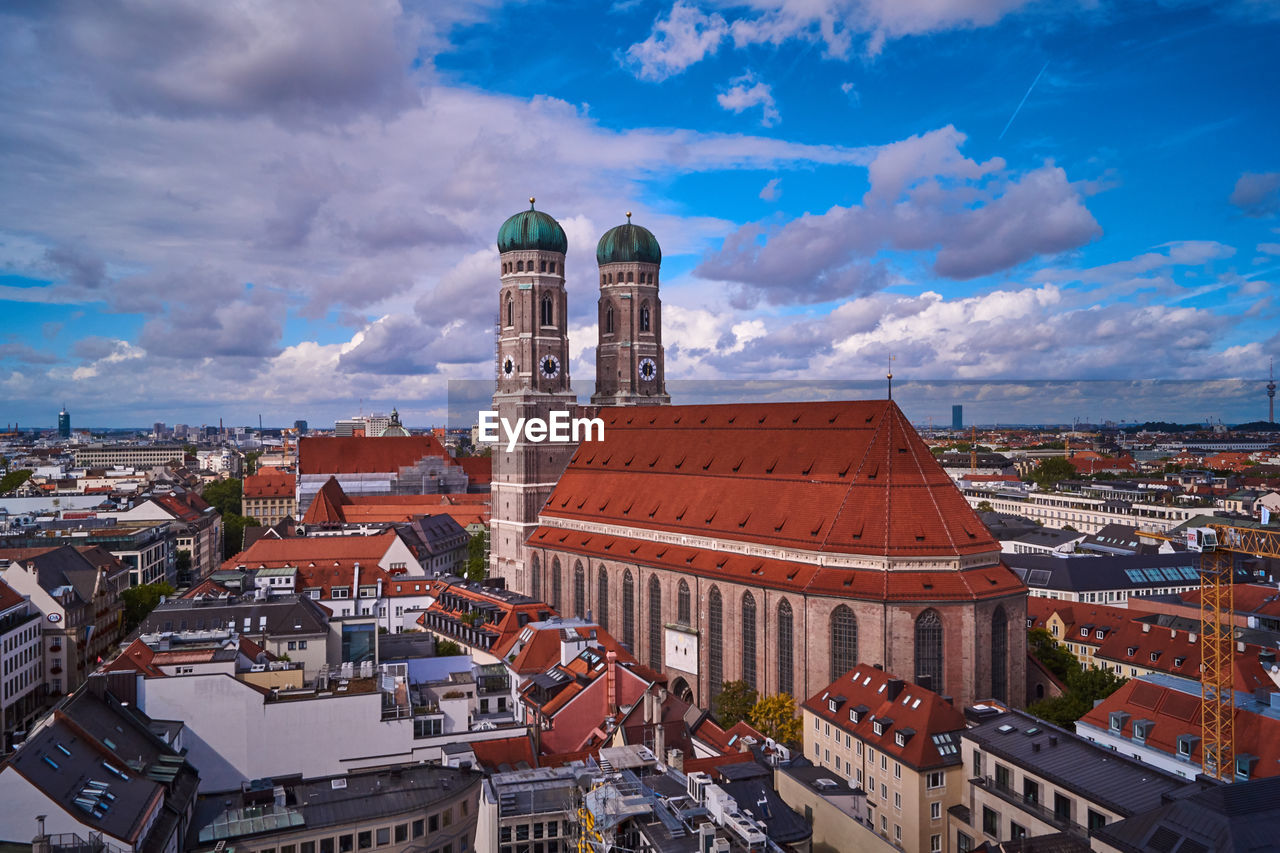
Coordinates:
[21,656]
[197,528]
[64,423]
[1111,579]
[147,548]
[396,810]
[96,769]
[333,508]
[1228,817]
[127,455]
[761,542]
[1083,512]
[899,744]
[404,465]
[269,496]
[957,417]
[1029,778]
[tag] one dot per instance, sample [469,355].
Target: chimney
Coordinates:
[611,674]
[893,688]
[675,759]
[1146,627]
[1053,740]
[41,843]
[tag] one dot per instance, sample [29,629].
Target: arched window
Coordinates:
[715,643]
[511,311]
[631,277]
[929,651]
[644,317]
[749,639]
[608,319]
[535,579]
[629,610]
[655,622]
[519,266]
[844,641]
[682,605]
[602,598]
[602,278]
[999,655]
[547,316]
[786,640]
[579,590]
[557,601]
[542,266]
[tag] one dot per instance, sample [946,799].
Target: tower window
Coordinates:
[631,276]
[602,278]
[749,639]
[608,319]
[644,317]
[929,667]
[682,604]
[511,311]
[519,266]
[547,316]
[543,266]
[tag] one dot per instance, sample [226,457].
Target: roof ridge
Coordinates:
[849,489]
[933,499]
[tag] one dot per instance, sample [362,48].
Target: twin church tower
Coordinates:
[533,360]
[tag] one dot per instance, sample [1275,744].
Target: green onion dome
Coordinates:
[628,244]
[532,229]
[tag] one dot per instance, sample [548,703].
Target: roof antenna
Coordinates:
[889,376]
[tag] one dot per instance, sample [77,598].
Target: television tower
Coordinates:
[1271,393]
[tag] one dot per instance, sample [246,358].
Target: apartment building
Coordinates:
[268,496]
[897,742]
[1085,513]
[127,455]
[21,673]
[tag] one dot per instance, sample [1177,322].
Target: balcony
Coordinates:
[1031,806]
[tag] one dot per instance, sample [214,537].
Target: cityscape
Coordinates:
[902,473]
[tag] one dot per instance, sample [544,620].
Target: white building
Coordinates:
[20,663]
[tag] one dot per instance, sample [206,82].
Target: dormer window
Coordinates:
[878,727]
[1155,656]
[1133,650]
[1186,746]
[1118,720]
[1141,729]
[1084,632]
[1179,661]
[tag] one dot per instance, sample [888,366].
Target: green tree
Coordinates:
[13,479]
[447,648]
[1051,653]
[775,716]
[224,495]
[985,506]
[251,461]
[233,525]
[735,702]
[141,600]
[1084,685]
[1051,470]
[477,557]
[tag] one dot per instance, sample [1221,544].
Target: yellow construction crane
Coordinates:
[1217,543]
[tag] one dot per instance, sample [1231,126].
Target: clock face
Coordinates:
[508,366]
[550,366]
[648,369]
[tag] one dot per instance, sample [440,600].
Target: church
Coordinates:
[780,544]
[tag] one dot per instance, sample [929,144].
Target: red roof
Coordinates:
[9,597]
[137,657]
[326,507]
[269,483]
[511,751]
[359,455]
[1249,598]
[915,712]
[479,468]
[332,505]
[844,477]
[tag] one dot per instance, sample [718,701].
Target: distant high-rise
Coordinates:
[301,427]
[64,421]
[957,417]
[1271,393]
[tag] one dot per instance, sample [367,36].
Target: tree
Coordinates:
[985,506]
[477,557]
[1051,653]
[1084,685]
[1051,470]
[251,461]
[13,479]
[224,495]
[233,525]
[447,648]
[775,716]
[141,600]
[735,702]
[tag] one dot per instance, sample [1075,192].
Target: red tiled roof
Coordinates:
[1167,644]
[359,455]
[511,751]
[303,549]
[479,468]
[1249,598]
[206,587]
[845,477]
[269,483]
[137,657]
[1175,713]
[9,597]
[923,711]
[869,584]
[332,505]
[328,504]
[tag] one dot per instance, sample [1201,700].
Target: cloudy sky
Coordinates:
[217,210]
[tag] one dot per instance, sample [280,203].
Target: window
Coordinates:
[1097,820]
[417,828]
[535,579]
[935,844]
[644,317]
[1030,791]
[383,836]
[935,811]
[749,639]
[1016,832]
[433,823]
[1002,776]
[655,623]
[1061,807]
[786,636]
[897,800]
[935,779]
[628,610]
[579,590]
[715,642]
[844,641]
[929,651]
[897,770]
[307,847]
[977,762]
[326,845]
[608,319]
[963,843]
[548,318]
[345,843]
[683,608]
[999,655]
[556,599]
[897,833]
[602,597]
[511,311]
[990,822]
[402,832]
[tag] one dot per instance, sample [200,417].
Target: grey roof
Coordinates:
[1118,539]
[289,614]
[439,533]
[759,800]
[1244,816]
[65,566]
[1049,537]
[327,801]
[1094,773]
[1136,573]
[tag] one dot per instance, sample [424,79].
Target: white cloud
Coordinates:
[685,36]
[772,191]
[745,93]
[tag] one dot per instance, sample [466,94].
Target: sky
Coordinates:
[220,210]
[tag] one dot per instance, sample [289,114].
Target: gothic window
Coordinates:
[628,610]
[535,580]
[715,642]
[655,622]
[602,278]
[602,598]
[579,590]
[511,311]
[608,319]
[631,277]
[557,601]
[844,641]
[547,317]
[786,639]
[644,317]
[682,605]
[519,266]
[999,655]
[749,639]
[929,650]
[542,266]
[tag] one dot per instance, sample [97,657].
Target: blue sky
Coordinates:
[215,211]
